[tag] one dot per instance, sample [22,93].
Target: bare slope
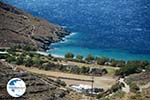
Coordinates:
[19,27]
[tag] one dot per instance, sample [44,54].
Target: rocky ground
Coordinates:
[38,87]
[20,28]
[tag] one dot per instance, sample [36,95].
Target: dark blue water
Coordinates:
[114,28]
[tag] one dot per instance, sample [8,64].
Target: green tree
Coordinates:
[79,57]
[101,61]
[89,57]
[84,70]
[20,60]
[69,55]
[28,62]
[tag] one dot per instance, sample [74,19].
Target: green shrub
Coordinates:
[79,57]
[75,69]
[20,60]
[48,66]
[89,58]
[133,87]
[28,48]
[69,55]
[11,59]
[147,68]
[62,83]
[84,70]
[101,61]
[37,61]
[3,56]
[116,87]
[28,62]
[127,70]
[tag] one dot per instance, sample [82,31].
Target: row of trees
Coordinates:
[71,56]
[89,58]
[103,60]
[31,59]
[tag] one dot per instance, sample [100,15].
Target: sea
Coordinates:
[118,29]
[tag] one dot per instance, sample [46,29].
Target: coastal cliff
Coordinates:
[20,28]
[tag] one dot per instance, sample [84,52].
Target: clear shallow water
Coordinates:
[63,47]
[114,28]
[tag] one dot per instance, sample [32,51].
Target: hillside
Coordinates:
[38,87]
[20,28]
[139,85]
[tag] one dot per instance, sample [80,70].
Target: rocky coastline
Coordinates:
[20,28]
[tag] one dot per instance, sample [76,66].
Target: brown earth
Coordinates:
[20,28]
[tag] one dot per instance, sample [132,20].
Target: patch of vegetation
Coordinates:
[119,94]
[3,56]
[69,55]
[22,48]
[24,55]
[89,58]
[116,87]
[136,97]
[110,71]
[126,70]
[102,61]
[133,87]
[117,63]
[115,90]
[79,57]
[46,63]
[147,68]
[133,67]
[62,83]
[116,96]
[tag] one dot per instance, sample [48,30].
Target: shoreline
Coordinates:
[46,54]
[65,38]
[57,56]
[62,56]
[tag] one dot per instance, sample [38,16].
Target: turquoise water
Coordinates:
[63,47]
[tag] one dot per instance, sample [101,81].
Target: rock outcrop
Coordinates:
[20,28]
